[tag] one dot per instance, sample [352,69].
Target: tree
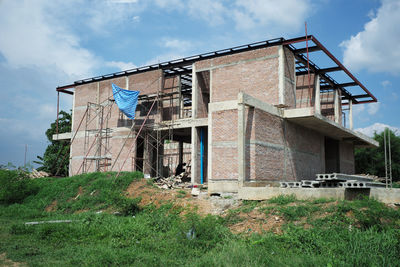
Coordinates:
[55,160]
[372,160]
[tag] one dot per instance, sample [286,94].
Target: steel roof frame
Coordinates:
[183,67]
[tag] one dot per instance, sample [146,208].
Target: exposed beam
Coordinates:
[304,50]
[330,69]
[361,96]
[347,84]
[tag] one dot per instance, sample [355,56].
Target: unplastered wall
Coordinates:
[99,92]
[277,150]
[224,150]
[253,72]
[346,152]
[305,94]
[171,104]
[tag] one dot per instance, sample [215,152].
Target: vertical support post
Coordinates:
[281,73]
[181,104]
[58,109]
[336,105]
[317,104]
[26,149]
[194,92]
[241,140]
[194,155]
[201,155]
[384,146]
[351,114]
[390,161]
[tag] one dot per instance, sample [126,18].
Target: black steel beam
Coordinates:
[330,69]
[304,50]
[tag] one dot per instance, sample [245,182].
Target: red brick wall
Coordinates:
[98,92]
[224,145]
[305,97]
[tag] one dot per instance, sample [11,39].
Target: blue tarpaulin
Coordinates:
[126,100]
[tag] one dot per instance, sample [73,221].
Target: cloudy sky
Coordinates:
[47,43]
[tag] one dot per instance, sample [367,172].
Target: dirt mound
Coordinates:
[52,206]
[257,222]
[202,204]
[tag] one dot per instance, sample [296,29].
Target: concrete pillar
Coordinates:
[351,114]
[241,140]
[194,92]
[181,104]
[336,106]
[317,103]
[194,161]
[281,72]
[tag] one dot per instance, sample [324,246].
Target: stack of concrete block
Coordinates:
[331,180]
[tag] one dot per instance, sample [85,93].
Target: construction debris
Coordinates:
[175,181]
[38,174]
[331,180]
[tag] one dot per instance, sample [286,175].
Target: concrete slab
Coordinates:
[262,193]
[307,118]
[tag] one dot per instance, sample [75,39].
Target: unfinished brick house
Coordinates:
[244,116]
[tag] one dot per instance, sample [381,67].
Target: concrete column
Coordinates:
[281,72]
[194,92]
[241,140]
[194,168]
[336,105]
[181,106]
[351,114]
[317,103]
[209,143]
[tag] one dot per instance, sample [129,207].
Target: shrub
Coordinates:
[15,186]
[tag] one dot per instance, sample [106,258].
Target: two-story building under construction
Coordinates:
[244,116]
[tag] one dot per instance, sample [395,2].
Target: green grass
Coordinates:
[283,199]
[150,236]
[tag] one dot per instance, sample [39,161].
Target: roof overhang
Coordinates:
[307,118]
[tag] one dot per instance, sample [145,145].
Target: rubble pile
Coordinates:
[181,180]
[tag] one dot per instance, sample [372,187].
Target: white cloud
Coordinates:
[212,11]
[30,37]
[103,16]
[124,1]
[176,44]
[378,128]
[121,65]
[287,15]
[374,48]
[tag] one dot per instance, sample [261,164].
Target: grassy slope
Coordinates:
[159,236]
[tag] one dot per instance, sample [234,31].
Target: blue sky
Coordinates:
[44,44]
